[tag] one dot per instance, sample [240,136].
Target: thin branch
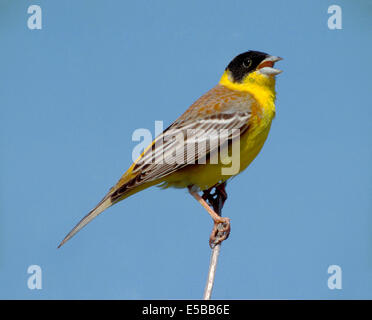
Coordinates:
[214,257]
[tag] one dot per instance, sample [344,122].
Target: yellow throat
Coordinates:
[260,86]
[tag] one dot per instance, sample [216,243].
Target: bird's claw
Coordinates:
[220,232]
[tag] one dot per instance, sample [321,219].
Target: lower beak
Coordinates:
[266,66]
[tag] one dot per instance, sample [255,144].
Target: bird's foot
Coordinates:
[220,232]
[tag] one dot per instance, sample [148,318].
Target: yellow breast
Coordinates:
[262,88]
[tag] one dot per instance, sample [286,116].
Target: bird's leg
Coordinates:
[213,198]
[208,196]
[219,233]
[221,192]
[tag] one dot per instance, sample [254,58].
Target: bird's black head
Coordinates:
[248,62]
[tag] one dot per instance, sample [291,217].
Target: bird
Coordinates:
[234,117]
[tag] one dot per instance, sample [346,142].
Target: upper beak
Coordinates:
[266,66]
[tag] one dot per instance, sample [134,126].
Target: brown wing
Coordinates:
[193,137]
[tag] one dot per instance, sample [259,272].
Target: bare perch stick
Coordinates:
[214,257]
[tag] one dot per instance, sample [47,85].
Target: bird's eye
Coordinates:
[247,63]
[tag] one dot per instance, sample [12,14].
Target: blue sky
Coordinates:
[72,94]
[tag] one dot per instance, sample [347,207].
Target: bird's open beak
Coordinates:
[266,66]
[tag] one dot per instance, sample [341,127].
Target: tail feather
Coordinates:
[117,193]
[103,205]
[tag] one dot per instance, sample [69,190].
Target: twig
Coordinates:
[214,257]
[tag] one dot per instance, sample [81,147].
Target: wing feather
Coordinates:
[172,149]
